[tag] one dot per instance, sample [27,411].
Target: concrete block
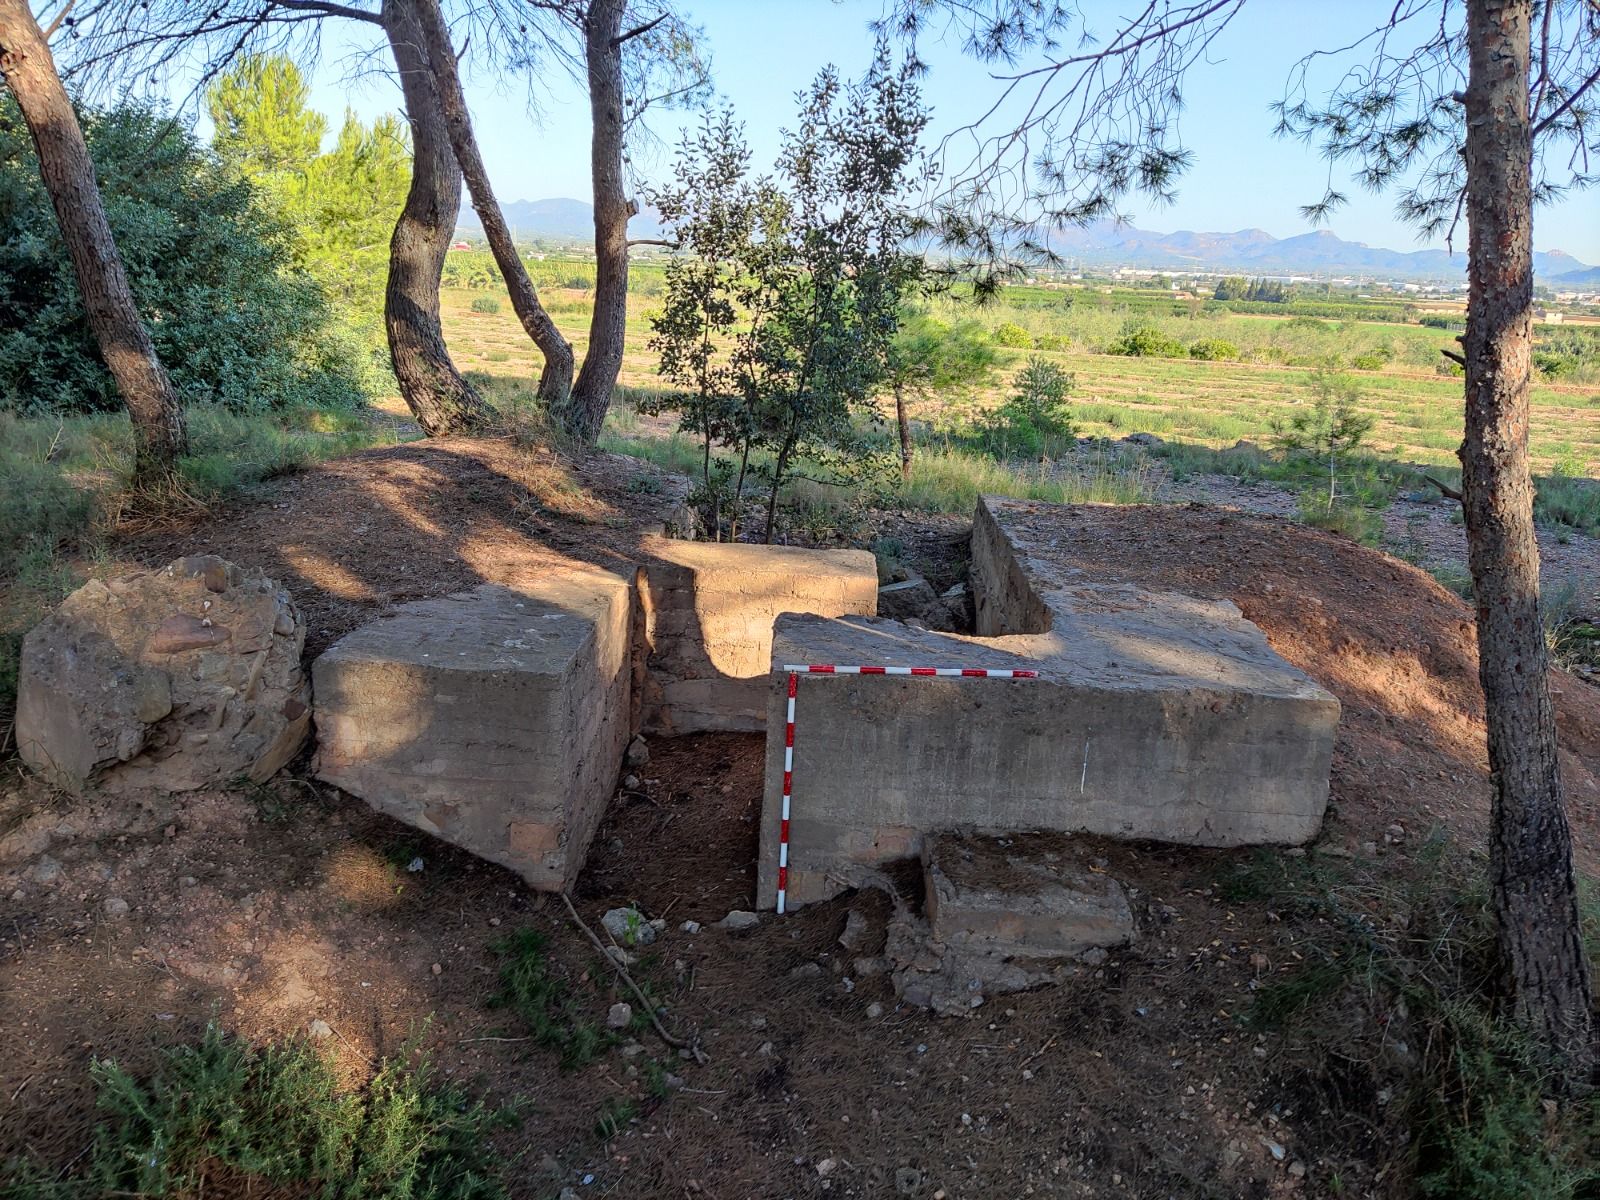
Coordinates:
[495,719]
[709,608]
[1022,896]
[1156,715]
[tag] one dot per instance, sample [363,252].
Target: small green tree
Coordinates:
[712,211]
[928,356]
[1036,419]
[1331,430]
[832,269]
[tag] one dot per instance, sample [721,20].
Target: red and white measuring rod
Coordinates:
[794,671]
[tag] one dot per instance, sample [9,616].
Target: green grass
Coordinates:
[234,1118]
[543,1003]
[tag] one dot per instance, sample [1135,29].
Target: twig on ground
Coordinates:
[677,1043]
[464,1041]
[1444,488]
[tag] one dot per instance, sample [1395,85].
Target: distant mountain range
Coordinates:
[1254,251]
[1248,251]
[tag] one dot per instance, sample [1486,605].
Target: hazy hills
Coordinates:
[1247,251]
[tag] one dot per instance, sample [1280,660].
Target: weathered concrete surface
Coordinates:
[708,613]
[1025,895]
[173,679]
[496,719]
[1156,716]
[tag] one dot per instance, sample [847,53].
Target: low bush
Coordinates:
[1013,336]
[276,1120]
[1144,339]
[1036,419]
[485,304]
[1213,350]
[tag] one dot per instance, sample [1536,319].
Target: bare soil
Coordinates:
[269,908]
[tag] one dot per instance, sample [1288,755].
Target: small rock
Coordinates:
[321,1030]
[690,927]
[758,1022]
[738,919]
[415,865]
[438,968]
[1273,1148]
[765,1049]
[18,896]
[46,870]
[907,1181]
[631,1049]
[567,1193]
[855,931]
[631,782]
[826,1167]
[638,752]
[115,907]
[188,881]
[673,1083]
[628,926]
[808,970]
[867,967]
[874,1011]
[618,954]
[620,1016]
[1094,956]
[1297,1169]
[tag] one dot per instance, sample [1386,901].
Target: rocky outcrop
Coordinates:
[174,679]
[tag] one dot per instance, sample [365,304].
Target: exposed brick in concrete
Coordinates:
[1157,716]
[709,609]
[495,719]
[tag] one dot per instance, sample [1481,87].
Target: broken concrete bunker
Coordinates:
[498,719]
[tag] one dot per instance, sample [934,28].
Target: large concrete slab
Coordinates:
[1156,715]
[495,719]
[709,609]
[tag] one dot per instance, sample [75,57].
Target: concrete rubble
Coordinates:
[176,679]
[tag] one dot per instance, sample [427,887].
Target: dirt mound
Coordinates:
[1399,651]
[354,536]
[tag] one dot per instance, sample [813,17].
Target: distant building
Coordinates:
[461,245]
[1548,315]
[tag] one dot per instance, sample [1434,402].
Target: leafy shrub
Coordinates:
[1368,362]
[1144,339]
[1013,336]
[542,1001]
[1439,321]
[1213,349]
[238,325]
[1310,324]
[1037,419]
[1052,341]
[277,1118]
[580,283]
[485,304]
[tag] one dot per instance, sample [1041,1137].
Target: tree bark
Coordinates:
[160,437]
[904,422]
[555,382]
[435,392]
[585,413]
[1544,970]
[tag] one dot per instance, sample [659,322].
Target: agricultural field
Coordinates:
[1405,384]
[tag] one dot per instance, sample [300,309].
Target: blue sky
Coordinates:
[763,51]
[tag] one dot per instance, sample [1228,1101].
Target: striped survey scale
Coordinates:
[794,671]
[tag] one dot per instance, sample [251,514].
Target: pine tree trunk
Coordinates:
[555,382]
[440,399]
[904,422]
[585,413]
[1544,970]
[160,437]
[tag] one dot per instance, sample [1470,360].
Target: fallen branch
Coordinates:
[1446,489]
[677,1043]
[1454,357]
